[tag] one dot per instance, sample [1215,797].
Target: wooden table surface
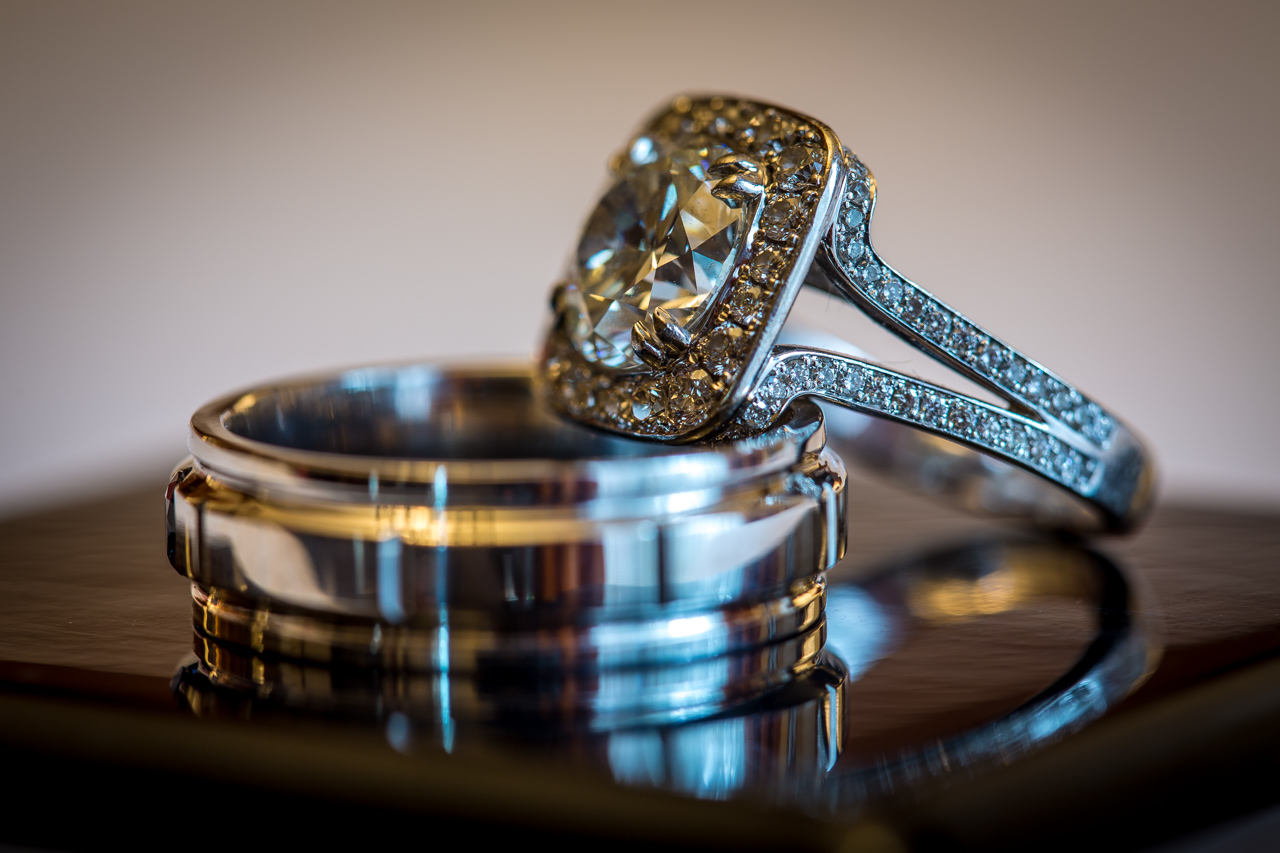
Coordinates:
[86,594]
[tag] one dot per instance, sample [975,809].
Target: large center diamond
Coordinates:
[658,239]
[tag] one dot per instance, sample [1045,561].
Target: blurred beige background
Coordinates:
[194,197]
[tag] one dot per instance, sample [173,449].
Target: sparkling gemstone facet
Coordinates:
[648,401]
[799,166]
[722,347]
[767,264]
[746,303]
[780,217]
[692,391]
[658,239]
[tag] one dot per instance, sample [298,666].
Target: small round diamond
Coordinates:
[884,392]
[1065,401]
[994,358]
[767,264]
[1013,438]
[775,392]
[746,303]
[692,391]
[758,415]
[989,429]
[578,396]
[720,351]
[965,341]
[648,401]
[852,381]
[799,166]
[913,306]
[937,323]
[870,390]
[933,411]
[1042,447]
[823,374]
[961,419]
[555,368]
[851,250]
[1048,391]
[891,294]
[1068,466]
[613,402]
[905,399]
[1095,424]
[1015,371]
[781,217]
[768,133]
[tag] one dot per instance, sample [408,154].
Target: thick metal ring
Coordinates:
[438,529]
[390,493]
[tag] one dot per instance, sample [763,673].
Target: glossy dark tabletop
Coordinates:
[90,610]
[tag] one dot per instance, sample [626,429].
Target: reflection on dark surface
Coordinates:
[931,664]
[1085,615]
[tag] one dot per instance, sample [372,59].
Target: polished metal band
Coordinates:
[392,493]
[438,530]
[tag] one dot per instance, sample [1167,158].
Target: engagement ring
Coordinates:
[667,325]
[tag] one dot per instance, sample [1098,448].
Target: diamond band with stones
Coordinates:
[667,322]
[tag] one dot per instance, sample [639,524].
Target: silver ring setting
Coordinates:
[667,326]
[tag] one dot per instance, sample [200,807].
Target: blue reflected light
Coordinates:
[706,760]
[858,629]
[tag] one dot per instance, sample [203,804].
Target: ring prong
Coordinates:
[737,190]
[647,346]
[734,164]
[670,333]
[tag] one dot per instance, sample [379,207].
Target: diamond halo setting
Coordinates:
[690,250]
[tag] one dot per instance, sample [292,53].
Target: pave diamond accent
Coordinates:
[780,217]
[692,391]
[746,306]
[873,389]
[648,402]
[917,311]
[766,264]
[799,166]
[722,348]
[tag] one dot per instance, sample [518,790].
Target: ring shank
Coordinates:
[1050,428]
[967,478]
[1113,483]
